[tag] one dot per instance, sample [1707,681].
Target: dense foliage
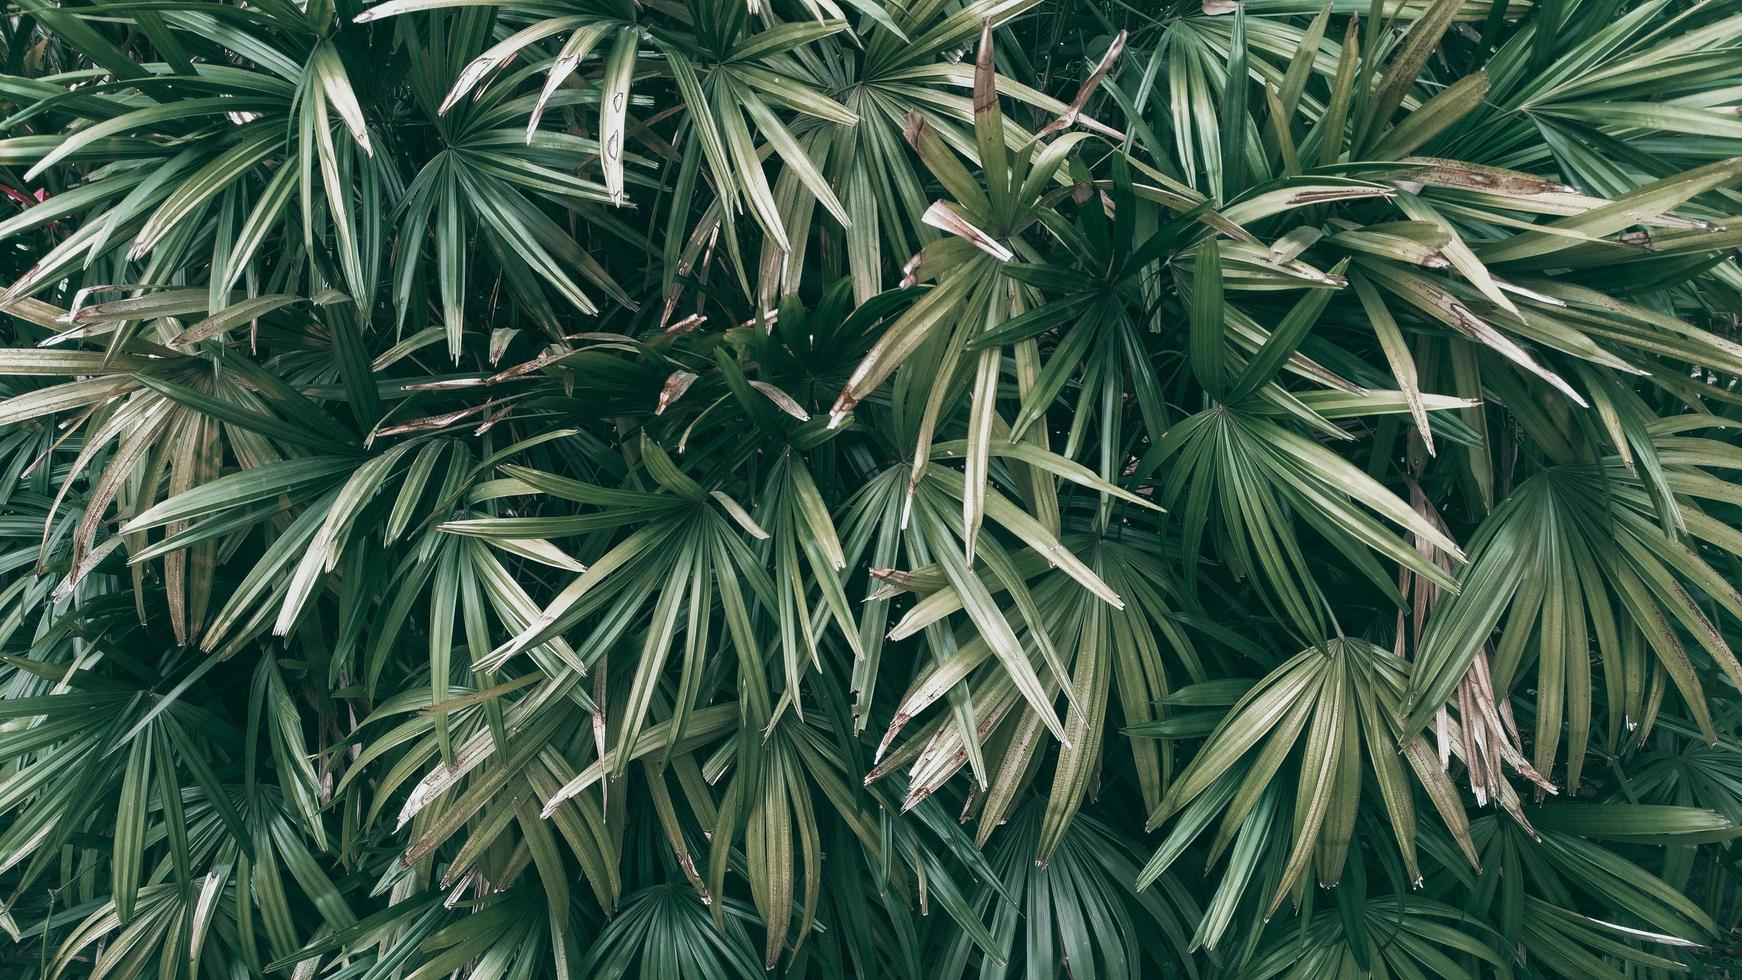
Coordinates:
[909,488]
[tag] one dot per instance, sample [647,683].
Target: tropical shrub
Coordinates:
[922,488]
